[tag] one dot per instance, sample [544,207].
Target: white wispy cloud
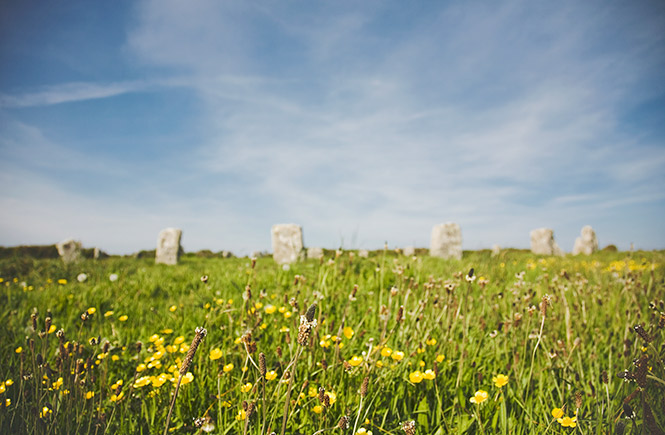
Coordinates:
[69,92]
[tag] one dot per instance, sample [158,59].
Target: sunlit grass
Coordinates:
[523,345]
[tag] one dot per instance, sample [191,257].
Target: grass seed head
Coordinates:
[343,423]
[198,338]
[262,364]
[311,312]
[409,427]
[364,387]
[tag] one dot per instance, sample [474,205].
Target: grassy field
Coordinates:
[389,345]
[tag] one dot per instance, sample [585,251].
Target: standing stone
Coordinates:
[496,250]
[363,253]
[69,250]
[168,246]
[446,241]
[587,243]
[542,242]
[286,243]
[96,253]
[409,251]
[316,253]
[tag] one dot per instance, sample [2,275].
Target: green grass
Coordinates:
[569,358]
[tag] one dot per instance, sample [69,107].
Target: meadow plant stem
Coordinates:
[175,394]
[533,357]
[294,366]
[360,407]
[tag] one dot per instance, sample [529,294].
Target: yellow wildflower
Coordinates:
[45,412]
[228,367]
[216,354]
[318,409]
[19,349]
[431,342]
[92,310]
[557,413]
[51,329]
[89,395]
[397,355]
[271,375]
[440,358]
[356,360]
[348,332]
[123,318]
[179,340]
[241,414]
[386,351]
[567,421]
[189,377]
[172,308]
[62,281]
[479,397]
[246,388]
[429,374]
[142,382]
[416,377]
[117,397]
[500,380]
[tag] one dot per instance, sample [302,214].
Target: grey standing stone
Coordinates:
[496,250]
[286,243]
[316,253]
[69,250]
[446,241]
[96,253]
[409,251]
[168,246]
[542,242]
[363,253]
[587,243]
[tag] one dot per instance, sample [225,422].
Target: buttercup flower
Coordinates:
[557,413]
[416,377]
[568,421]
[500,380]
[479,397]
[216,354]
[228,367]
[356,360]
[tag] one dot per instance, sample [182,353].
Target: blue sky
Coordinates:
[364,122]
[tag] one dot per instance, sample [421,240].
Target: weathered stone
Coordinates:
[69,250]
[542,242]
[409,251]
[496,250]
[446,241]
[363,253]
[287,243]
[96,253]
[168,246]
[316,253]
[587,243]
